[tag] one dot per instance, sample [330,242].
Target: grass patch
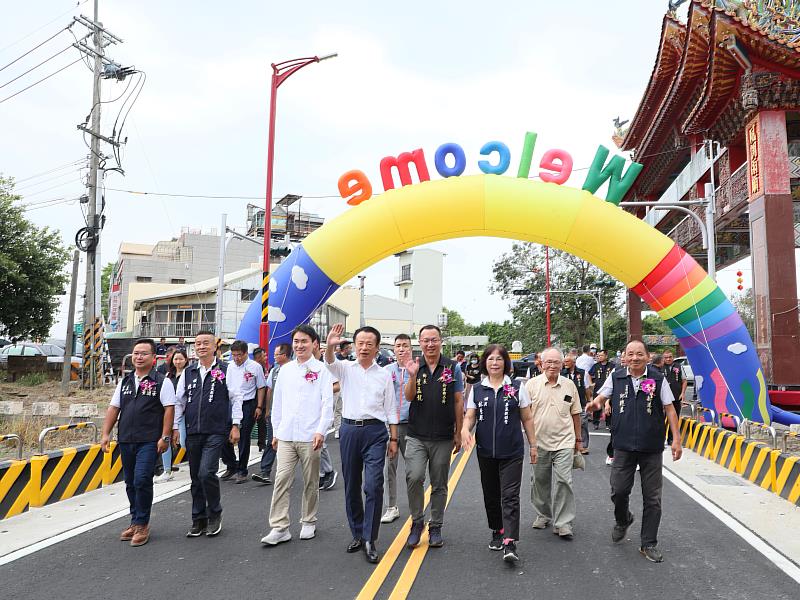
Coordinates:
[33,379]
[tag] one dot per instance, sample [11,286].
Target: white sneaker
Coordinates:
[308,531]
[163,478]
[609,460]
[276,536]
[392,513]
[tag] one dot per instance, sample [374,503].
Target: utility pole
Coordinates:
[223,234]
[69,347]
[91,300]
[362,320]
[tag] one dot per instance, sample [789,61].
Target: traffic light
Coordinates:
[739,281]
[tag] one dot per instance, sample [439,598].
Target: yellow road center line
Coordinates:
[409,574]
[380,573]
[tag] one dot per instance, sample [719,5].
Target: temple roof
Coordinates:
[699,65]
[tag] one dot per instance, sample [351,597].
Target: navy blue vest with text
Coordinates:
[141,416]
[499,429]
[431,414]
[206,413]
[633,428]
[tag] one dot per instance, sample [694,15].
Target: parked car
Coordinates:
[522,365]
[53,353]
[4,342]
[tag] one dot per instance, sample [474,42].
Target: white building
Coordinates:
[419,283]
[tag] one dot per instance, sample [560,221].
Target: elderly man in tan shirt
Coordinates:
[556,416]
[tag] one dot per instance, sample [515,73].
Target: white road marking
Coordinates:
[28,550]
[781,561]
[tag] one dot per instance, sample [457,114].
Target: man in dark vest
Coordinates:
[145,407]
[578,377]
[212,417]
[674,377]
[435,390]
[640,399]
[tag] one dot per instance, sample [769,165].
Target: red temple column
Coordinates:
[634,308]
[777,330]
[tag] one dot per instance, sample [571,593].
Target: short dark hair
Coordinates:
[203,332]
[307,330]
[284,349]
[148,342]
[368,329]
[490,349]
[402,336]
[256,351]
[163,339]
[461,352]
[344,344]
[586,347]
[599,350]
[430,327]
[239,346]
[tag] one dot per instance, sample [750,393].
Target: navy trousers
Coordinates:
[138,465]
[363,451]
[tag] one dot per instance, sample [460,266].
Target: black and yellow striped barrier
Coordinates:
[112,464]
[15,487]
[65,473]
[179,456]
[755,461]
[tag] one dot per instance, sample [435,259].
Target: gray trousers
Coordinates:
[436,457]
[325,462]
[585,429]
[391,464]
[554,500]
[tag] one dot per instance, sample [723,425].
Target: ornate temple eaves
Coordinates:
[706,60]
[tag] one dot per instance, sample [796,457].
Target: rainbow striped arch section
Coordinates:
[718,345]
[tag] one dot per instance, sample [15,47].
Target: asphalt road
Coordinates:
[703,559]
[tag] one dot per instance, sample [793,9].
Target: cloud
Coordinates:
[276,314]
[299,277]
[737,348]
[273,285]
[698,382]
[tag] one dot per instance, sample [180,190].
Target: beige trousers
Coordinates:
[289,455]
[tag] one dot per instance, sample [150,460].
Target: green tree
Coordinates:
[32,274]
[743,303]
[455,323]
[498,333]
[105,286]
[574,317]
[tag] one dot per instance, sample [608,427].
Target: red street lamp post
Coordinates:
[280,73]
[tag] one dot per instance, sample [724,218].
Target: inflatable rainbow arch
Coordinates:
[728,375]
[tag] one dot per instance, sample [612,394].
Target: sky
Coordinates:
[408,75]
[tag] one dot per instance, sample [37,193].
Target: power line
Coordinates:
[19,58]
[40,81]
[53,170]
[38,29]
[46,60]
[33,184]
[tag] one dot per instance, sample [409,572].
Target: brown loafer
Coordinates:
[127,535]
[141,536]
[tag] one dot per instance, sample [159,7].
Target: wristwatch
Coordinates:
[166,439]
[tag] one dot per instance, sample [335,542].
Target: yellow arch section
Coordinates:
[495,206]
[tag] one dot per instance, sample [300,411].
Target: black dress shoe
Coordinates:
[355,546]
[371,552]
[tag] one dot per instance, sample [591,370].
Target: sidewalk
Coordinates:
[771,518]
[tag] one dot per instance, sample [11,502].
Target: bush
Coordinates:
[32,379]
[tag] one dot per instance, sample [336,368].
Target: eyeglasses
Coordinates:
[552,362]
[430,340]
[142,354]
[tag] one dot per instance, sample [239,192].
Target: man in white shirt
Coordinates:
[145,405]
[368,404]
[302,411]
[247,382]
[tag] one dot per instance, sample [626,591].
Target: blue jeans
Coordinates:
[268,456]
[166,458]
[138,465]
[204,452]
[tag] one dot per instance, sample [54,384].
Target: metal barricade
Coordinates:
[83,425]
[702,409]
[736,420]
[786,435]
[747,430]
[17,439]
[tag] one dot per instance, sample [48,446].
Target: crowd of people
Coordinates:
[425,409]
